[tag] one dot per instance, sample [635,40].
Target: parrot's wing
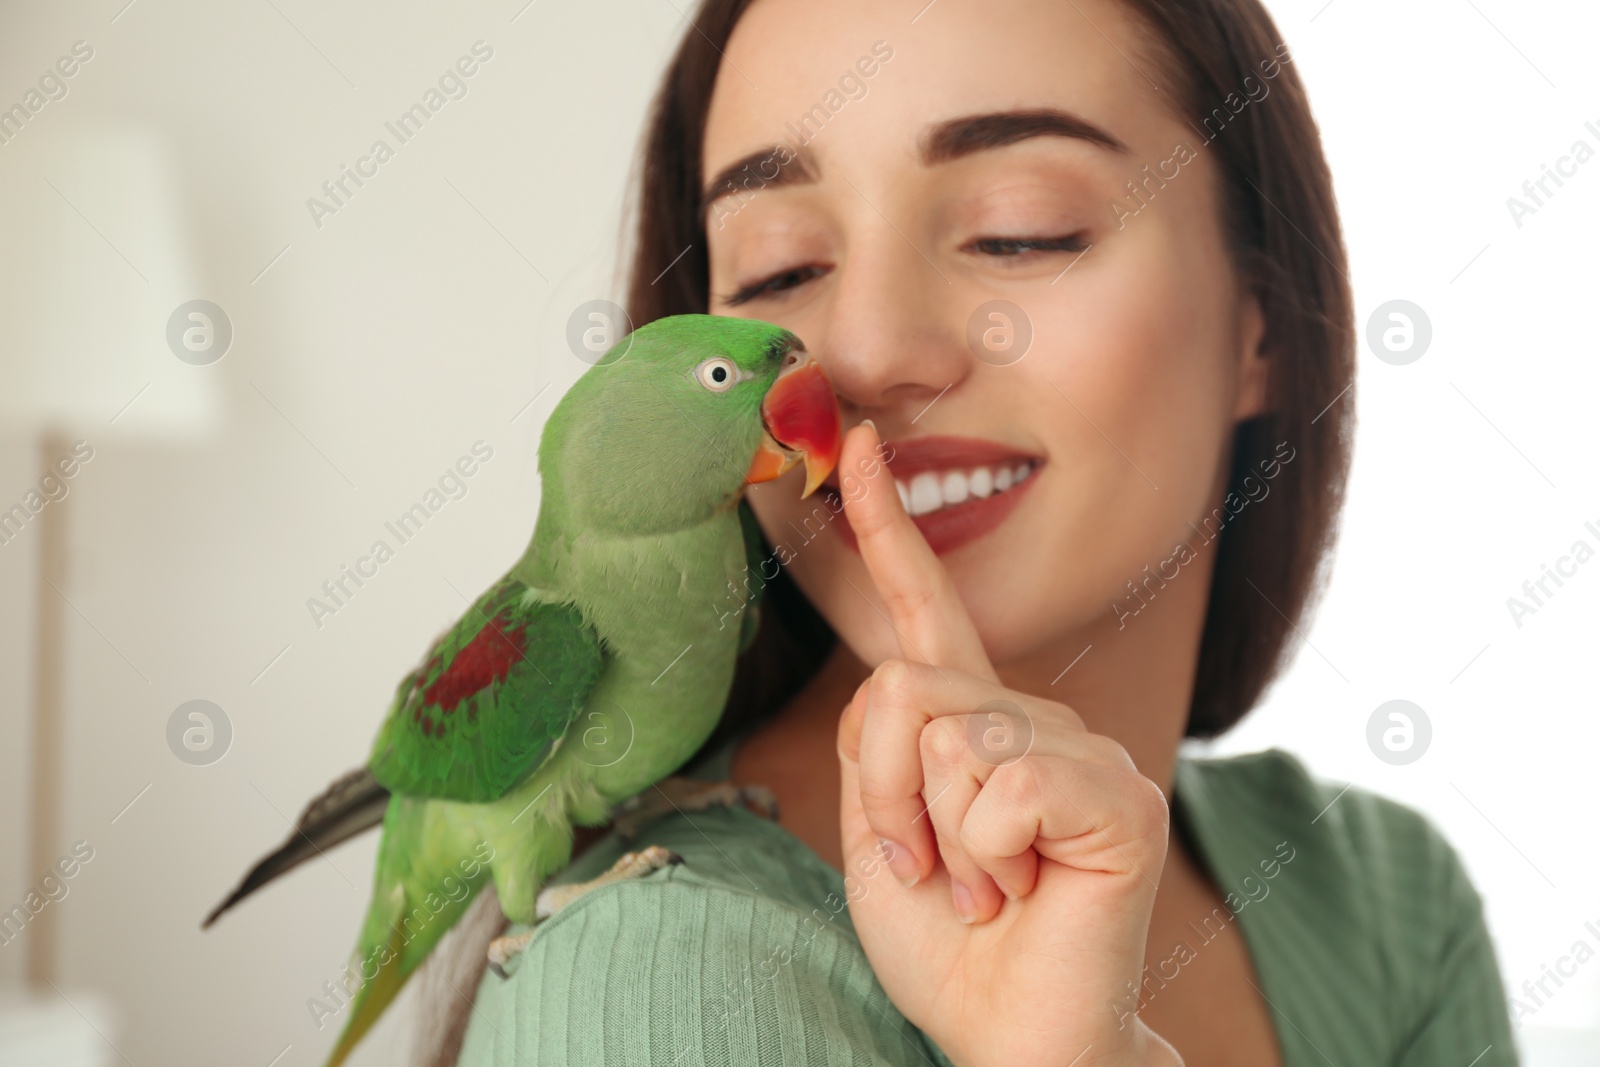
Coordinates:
[490,698]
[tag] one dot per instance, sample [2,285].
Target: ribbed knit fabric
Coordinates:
[1367,938]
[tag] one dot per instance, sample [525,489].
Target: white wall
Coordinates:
[414,322]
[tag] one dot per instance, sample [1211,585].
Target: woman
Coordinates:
[1076,273]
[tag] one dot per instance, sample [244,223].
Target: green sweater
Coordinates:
[1368,941]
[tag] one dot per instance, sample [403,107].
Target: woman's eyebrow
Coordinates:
[779,165]
[963,136]
[762,169]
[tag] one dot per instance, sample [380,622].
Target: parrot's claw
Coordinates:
[502,950]
[688,794]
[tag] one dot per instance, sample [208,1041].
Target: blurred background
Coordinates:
[214,393]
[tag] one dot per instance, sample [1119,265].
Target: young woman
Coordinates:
[1076,273]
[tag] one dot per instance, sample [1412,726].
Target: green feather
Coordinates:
[540,659]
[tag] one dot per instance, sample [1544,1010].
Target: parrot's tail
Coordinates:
[388,979]
[430,867]
[351,805]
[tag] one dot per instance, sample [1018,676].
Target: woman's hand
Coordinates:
[974,793]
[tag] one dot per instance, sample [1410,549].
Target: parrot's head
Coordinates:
[672,424]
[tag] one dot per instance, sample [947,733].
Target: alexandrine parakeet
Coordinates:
[600,662]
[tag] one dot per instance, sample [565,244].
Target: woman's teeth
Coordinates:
[932,491]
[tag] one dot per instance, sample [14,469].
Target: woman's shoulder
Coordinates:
[1341,891]
[1272,798]
[724,850]
[736,868]
[742,953]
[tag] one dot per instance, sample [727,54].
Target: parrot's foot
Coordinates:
[688,794]
[631,865]
[551,900]
[502,950]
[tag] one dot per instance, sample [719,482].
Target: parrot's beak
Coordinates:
[800,417]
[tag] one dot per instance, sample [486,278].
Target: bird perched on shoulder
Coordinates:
[599,663]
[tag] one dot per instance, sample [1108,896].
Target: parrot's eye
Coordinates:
[717,375]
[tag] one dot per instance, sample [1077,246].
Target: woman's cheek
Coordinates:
[820,567]
[1156,364]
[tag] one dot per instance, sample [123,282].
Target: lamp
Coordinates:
[98,261]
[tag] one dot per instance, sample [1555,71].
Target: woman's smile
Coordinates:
[956,489]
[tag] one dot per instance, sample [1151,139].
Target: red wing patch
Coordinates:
[485,660]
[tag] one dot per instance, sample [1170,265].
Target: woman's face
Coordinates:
[982,153]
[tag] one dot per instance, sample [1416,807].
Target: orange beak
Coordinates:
[800,417]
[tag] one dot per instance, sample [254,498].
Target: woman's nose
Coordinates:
[893,339]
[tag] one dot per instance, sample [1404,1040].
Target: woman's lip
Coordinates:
[950,527]
[910,457]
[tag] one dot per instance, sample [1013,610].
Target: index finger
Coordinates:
[919,599]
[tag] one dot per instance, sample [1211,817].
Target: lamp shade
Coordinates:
[84,314]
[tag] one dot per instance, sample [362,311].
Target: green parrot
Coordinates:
[600,662]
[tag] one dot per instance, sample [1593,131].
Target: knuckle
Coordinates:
[1107,752]
[1147,808]
[892,681]
[975,841]
[944,743]
[877,809]
[881,808]
[1067,716]
[1024,785]
[867,523]
[905,603]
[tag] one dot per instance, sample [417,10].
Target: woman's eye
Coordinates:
[1016,246]
[776,283]
[717,374]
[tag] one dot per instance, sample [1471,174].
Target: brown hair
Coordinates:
[1213,55]
[1280,214]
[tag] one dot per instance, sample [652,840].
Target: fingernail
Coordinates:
[869,422]
[966,907]
[902,864]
